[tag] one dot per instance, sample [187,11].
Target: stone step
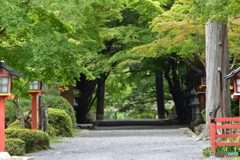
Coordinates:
[131,122]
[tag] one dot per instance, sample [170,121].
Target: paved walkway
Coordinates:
[127,143]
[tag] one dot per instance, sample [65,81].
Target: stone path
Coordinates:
[127,143]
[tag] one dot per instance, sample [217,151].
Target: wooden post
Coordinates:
[34,110]
[212,132]
[2,124]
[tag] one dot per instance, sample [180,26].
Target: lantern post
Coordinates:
[35,89]
[235,76]
[6,74]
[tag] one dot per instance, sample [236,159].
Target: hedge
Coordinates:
[61,122]
[34,139]
[15,147]
[16,124]
[59,102]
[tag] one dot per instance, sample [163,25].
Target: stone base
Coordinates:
[21,158]
[198,129]
[5,156]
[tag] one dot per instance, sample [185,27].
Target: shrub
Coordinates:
[11,111]
[51,131]
[34,139]
[16,124]
[60,121]
[15,146]
[58,102]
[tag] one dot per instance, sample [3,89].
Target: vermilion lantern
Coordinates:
[235,76]
[201,89]
[237,85]
[6,74]
[35,86]
[35,90]
[201,85]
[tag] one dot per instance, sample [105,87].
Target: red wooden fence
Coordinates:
[214,135]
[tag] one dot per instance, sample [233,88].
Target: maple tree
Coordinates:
[63,42]
[181,35]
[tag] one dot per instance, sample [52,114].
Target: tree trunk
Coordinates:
[86,88]
[217,65]
[100,98]
[160,95]
[175,90]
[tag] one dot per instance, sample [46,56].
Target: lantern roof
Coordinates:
[9,70]
[232,74]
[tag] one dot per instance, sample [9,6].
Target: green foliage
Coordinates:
[229,148]
[51,130]
[31,45]
[206,152]
[203,114]
[148,9]
[35,140]
[214,10]
[114,115]
[220,149]
[10,112]
[18,109]
[60,121]
[16,124]
[15,146]
[53,99]
[234,107]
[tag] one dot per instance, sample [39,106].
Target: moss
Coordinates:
[60,121]
[15,147]
[34,139]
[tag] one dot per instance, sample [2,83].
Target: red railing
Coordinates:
[214,126]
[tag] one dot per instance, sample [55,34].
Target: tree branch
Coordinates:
[188,63]
[134,19]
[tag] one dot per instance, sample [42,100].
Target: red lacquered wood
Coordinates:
[227,135]
[227,119]
[227,144]
[2,124]
[227,126]
[212,137]
[34,110]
